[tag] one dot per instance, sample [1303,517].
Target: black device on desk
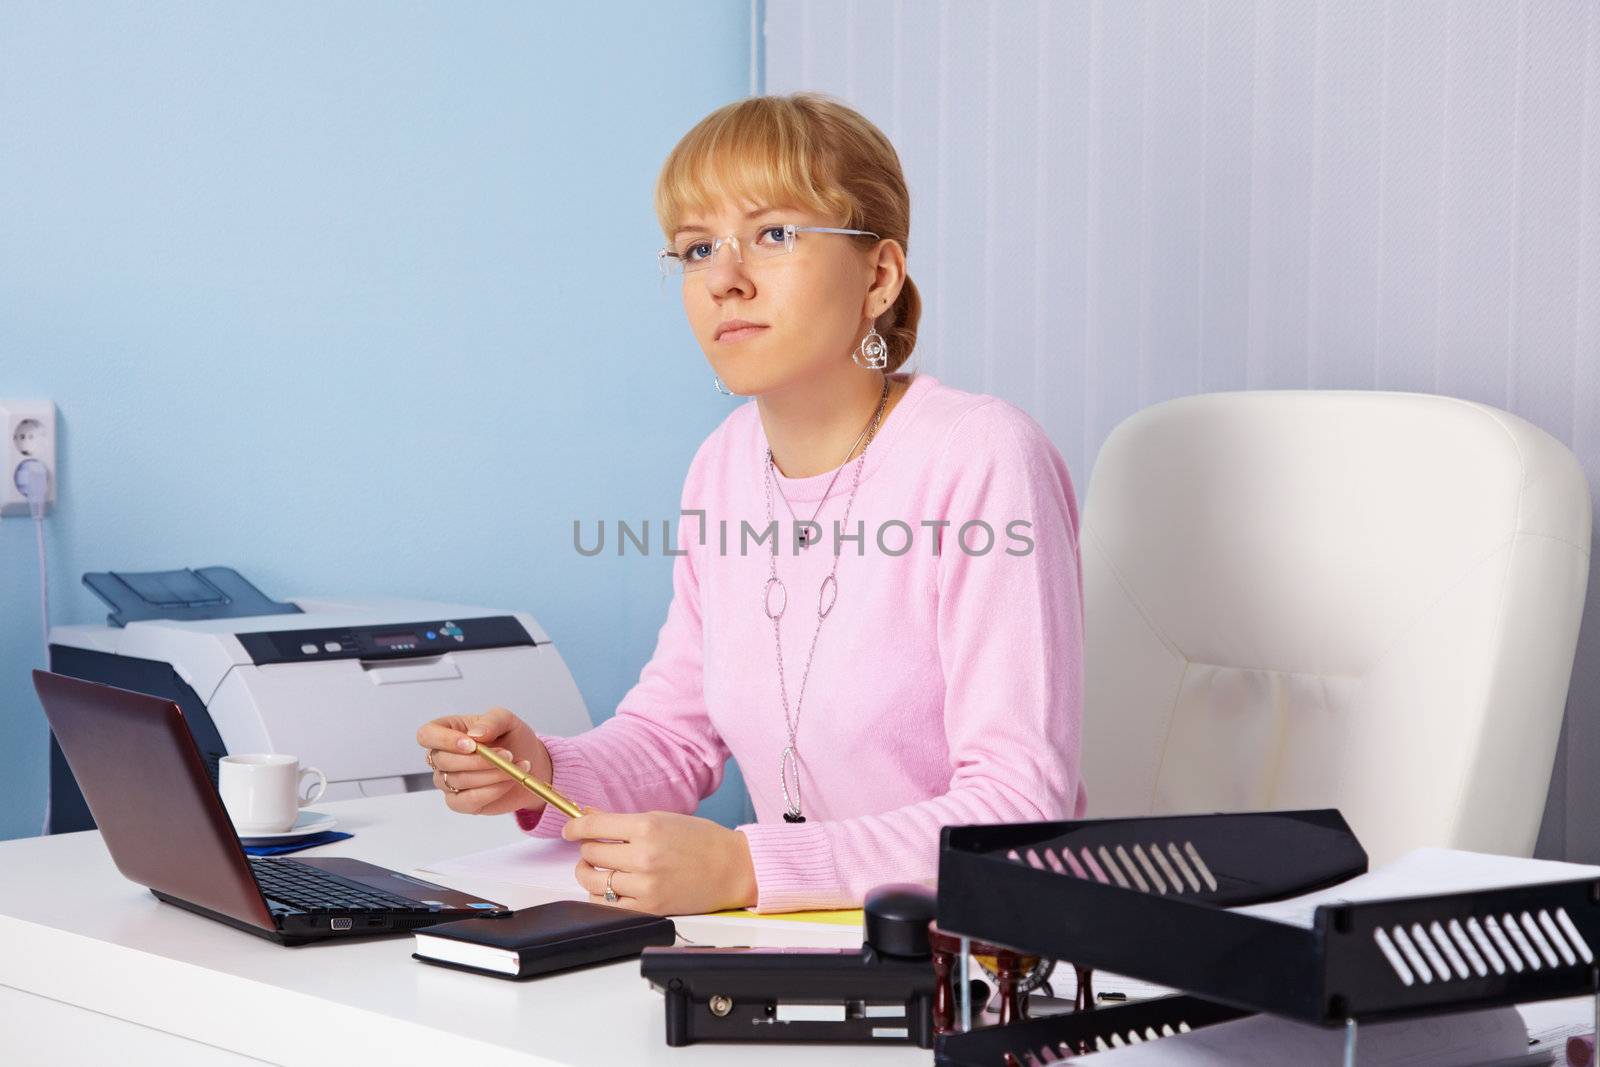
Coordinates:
[1152,898]
[166,828]
[881,993]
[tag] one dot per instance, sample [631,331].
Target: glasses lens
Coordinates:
[694,254]
[684,257]
[771,241]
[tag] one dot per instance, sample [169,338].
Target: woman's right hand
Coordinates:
[475,786]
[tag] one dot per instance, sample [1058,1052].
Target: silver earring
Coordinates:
[875,348]
[723,389]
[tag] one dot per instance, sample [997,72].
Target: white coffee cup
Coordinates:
[262,791]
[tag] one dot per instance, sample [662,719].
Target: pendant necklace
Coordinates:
[808,535]
[827,594]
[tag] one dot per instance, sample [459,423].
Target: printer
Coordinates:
[343,684]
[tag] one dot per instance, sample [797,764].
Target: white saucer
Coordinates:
[309,822]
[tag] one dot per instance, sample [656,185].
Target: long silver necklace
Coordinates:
[808,535]
[827,594]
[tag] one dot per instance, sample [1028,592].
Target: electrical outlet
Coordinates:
[30,434]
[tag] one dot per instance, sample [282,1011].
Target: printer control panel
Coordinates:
[390,641]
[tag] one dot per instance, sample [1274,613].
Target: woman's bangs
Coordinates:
[756,168]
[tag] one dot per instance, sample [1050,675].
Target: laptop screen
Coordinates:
[146,784]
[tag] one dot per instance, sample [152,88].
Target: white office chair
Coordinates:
[1360,600]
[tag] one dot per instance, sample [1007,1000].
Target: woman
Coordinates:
[904,653]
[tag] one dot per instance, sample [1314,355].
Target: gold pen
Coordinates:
[529,782]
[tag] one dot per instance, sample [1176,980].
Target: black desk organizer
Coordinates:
[1147,898]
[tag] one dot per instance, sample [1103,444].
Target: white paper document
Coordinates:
[1497,1036]
[1471,1039]
[1551,1022]
[1424,872]
[539,863]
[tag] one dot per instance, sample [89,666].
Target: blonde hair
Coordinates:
[807,150]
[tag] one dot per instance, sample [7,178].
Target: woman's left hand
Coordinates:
[664,863]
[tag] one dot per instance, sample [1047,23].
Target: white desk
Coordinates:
[93,967]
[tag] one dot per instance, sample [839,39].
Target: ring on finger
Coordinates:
[429,758]
[611,894]
[446,776]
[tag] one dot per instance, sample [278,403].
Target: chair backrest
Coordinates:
[1360,600]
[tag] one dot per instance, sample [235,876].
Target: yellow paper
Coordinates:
[847,917]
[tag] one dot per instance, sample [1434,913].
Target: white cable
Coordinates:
[44,622]
[33,478]
[34,481]
[44,589]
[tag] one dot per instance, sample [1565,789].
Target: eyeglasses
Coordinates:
[768,242]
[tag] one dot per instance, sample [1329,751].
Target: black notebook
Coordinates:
[543,939]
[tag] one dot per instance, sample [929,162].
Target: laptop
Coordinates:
[166,828]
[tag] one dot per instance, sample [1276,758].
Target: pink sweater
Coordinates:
[947,682]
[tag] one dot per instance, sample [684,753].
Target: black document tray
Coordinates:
[1010,885]
[1055,1037]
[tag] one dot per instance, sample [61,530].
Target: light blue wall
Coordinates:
[359,298]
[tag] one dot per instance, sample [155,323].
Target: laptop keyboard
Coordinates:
[312,889]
